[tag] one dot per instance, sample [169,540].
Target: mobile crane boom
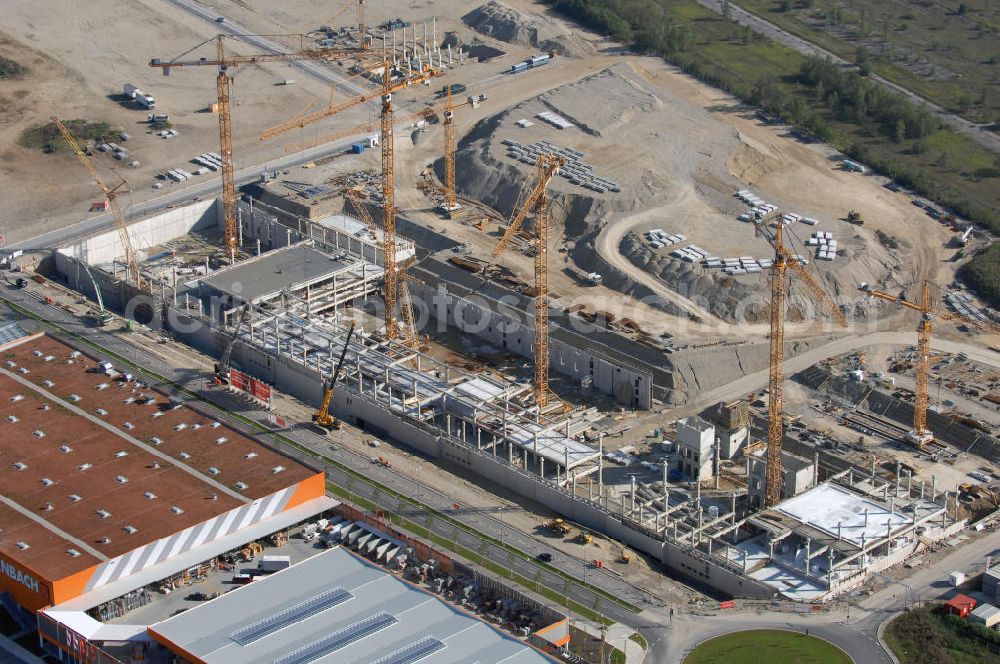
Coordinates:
[111,193]
[322,417]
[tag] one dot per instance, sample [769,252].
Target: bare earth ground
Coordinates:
[82,52]
[679,157]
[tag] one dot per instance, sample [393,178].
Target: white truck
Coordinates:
[269,564]
[139,96]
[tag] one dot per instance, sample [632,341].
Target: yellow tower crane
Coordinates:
[920,435]
[783,261]
[132,274]
[406,302]
[450,196]
[450,146]
[406,78]
[363,42]
[223,82]
[546,166]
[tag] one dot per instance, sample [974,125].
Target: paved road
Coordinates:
[314,69]
[175,197]
[977,132]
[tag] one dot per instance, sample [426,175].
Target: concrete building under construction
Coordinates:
[306,282]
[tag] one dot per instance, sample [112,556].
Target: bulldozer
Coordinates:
[558,526]
[624,557]
[584,537]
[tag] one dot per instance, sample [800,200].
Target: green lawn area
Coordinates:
[927,636]
[946,52]
[766,646]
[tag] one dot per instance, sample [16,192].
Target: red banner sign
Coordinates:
[260,390]
[728,604]
[239,380]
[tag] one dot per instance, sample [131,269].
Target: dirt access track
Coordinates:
[686,155]
[78,64]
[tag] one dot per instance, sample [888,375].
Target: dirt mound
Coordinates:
[622,99]
[504,23]
[568,46]
[499,21]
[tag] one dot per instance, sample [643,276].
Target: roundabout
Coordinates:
[767,645]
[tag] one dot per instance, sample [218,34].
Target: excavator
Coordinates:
[322,417]
[222,368]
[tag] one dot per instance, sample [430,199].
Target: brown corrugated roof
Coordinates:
[67,455]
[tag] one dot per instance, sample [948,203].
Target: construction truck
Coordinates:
[99,317]
[558,526]
[222,367]
[322,418]
[624,557]
[584,537]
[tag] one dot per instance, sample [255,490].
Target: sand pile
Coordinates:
[499,21]
[504,23]
[673,169]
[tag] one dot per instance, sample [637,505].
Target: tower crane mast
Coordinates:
[223,84]
[389,206]
[406,302]
[920,435]
[111,193]
[546,166]
[784,260]
[450,197]
[408,78]
[362,37]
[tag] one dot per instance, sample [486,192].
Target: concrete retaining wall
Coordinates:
[149,232]
[881,403]
[292,377]
[628,386]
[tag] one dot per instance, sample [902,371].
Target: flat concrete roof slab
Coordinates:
[839,512]
[272,272]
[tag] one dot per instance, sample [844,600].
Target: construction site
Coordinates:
[648,323]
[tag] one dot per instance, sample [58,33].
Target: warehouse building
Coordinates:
[359,613]
[111,485]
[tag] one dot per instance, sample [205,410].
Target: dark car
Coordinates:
[544,557]
[196,597]
[220,19]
